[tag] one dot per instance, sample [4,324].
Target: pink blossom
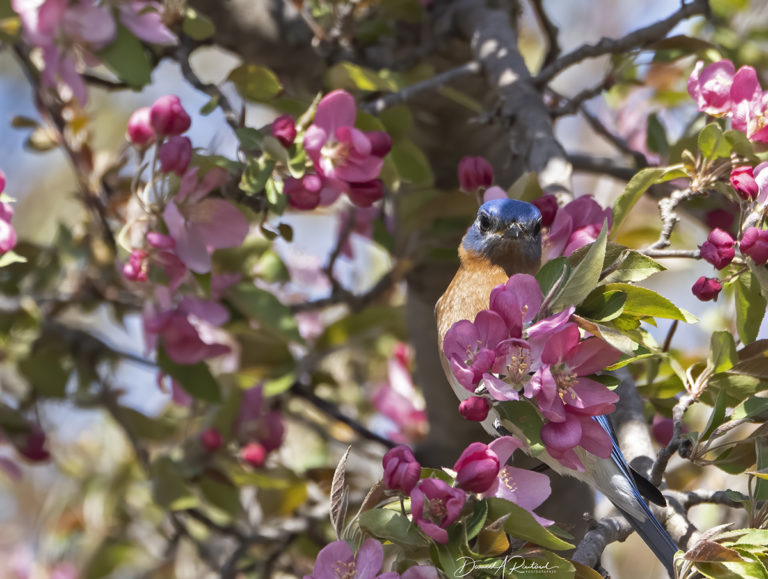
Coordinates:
[168,117]
[706,288]
[710,87]
[517,302]
[575,225]
[399,401]
[477,468]
[748,105]
[401,469]
[339,151]
[523,487]
[718,248]
[562,381]
[283,128]
[7,232]
[144,18]
[366,194]
[662,429]
[743,181]
[754,244]
[68,34]
[2,182]
[303,193]
[470,348]
[199,224]
[560,439]
[140,131]
[337,560]
[32,445]
[175,154]
[474,408]
[160,240]
[211,439]
[547,205]
[434,506]
[474,173]
[494,193]
[256,422]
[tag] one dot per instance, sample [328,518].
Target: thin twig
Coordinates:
[669,216]
[601,165]
[412,90]
[574,103]
[599,127]
[549,30]
[637,39]
[672,253]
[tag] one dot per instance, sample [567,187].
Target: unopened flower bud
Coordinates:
[2,181]
[33,445]
[303,193]
[381,143]
[474,408]
[211,439]
[366,194]
[254,454]
[401,469]
[754,244]
[135,269]
[174,155]
[283,128]
[547,205]
[7,236]
[743,181]
[718,248]
[477,468]
[706,288]
[140,131]
[474,172]
[168,117]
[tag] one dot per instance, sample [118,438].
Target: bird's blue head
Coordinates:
[508,233]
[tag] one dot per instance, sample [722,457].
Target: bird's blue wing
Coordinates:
[650,529]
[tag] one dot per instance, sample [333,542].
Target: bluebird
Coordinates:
[505,239]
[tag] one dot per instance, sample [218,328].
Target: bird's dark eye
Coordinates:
[537,228]
[484,222]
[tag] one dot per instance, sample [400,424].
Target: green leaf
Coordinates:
[210,106]
[738,387]
[46,373]
[656,136]
[717,417]
[144,426]
[197,26]
[552,272]
[255,83]
[126,57]
[638,185]
[412,164]
[272,269]
[521,415]
[476,521]
[169,488]
[737,459]
[354,77]
[711,142]
[722,355]
[750,307]
[585,276]
[521,524]
[263,307]
[196,379]
[250,138]
[603,306]
[257,173]
[377,320]
[761,463]
[752,407]
[397,121]
[221,494]
[11,257]
[632,266]
[740,143]
[391,525]
[642,302]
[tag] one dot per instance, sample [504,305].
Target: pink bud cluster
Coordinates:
[721,91]
[166,120]
[481,469]
[719,250]
[511,353]
[7,232]
[344,158]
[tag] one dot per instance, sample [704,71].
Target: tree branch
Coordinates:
[549,30]
[637,39]
[600,165]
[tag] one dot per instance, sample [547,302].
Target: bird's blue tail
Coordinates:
[650,529]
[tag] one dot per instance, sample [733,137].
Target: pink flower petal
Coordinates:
[594,439]
[504,446]
[369,559]
[336,109]
[145,20]
[591,355]
[562,436]
[559,344]
[218,223]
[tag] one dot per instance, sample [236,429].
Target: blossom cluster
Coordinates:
[344,158]
[481,469]
[69,33]
[7,232]
[510,352]
[721,91]
[719,249]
